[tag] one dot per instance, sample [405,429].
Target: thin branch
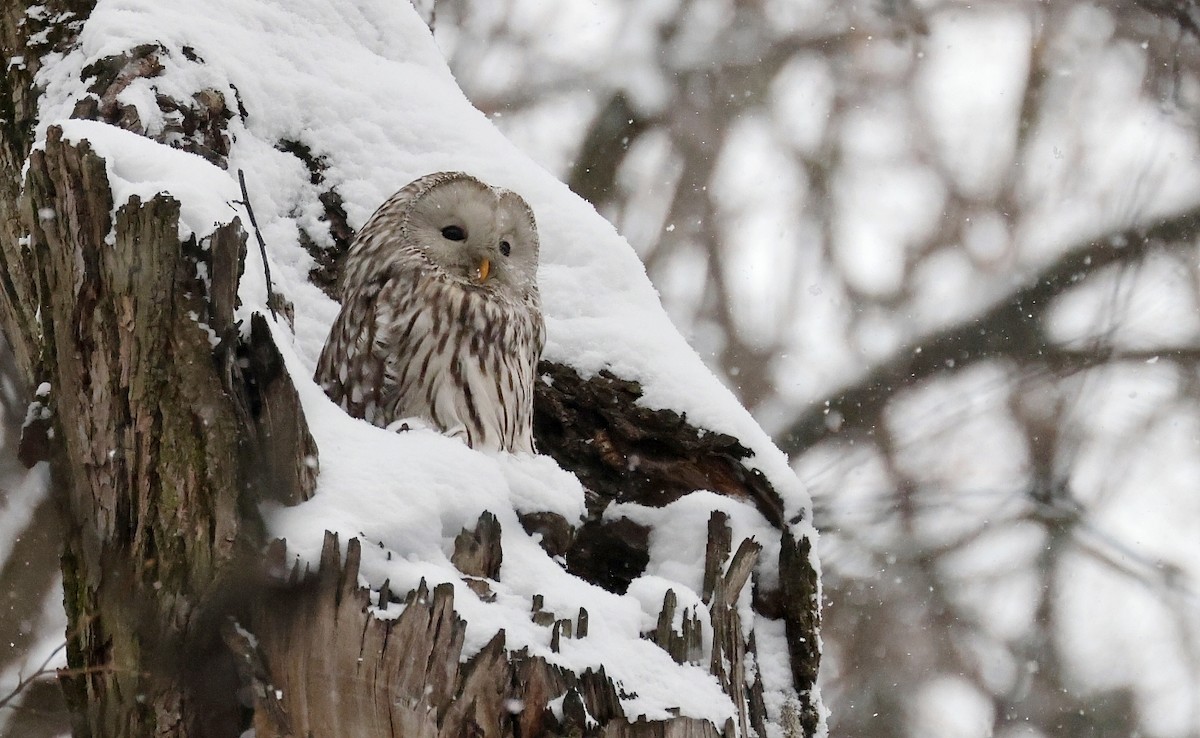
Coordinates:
[1011,328]
[262,245]
[24,682]
[1183,12]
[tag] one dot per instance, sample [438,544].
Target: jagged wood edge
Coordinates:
[137,340]
[319,661]
[625,452]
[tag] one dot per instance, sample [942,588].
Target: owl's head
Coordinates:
[479,234]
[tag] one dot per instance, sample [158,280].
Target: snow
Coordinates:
[139,167]
[969,51]
[364,87]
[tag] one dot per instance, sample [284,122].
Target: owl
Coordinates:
[440,315]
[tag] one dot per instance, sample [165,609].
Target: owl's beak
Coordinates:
[481,273]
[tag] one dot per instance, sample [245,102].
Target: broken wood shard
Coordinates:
[542,617]
[730,651]
[555,533]
[802,620]
[725,579]
[318,663]
[686,645]
[581,624]
[478,553]
[336,665]
[716,552]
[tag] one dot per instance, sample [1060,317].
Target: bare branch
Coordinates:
[1011,328]
[262,245]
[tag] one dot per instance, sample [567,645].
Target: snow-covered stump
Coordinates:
[326,656]
[324,659]
[147,440]
[529,602]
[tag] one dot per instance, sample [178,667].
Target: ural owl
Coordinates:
[440,316]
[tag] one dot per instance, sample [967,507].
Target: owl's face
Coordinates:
[478,234]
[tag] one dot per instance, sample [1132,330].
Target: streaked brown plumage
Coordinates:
[440,314]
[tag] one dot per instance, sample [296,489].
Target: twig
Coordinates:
[262,245]
[42,671]
[37,674]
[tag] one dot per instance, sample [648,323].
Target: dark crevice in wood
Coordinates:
[284,456]
[610,554]
[328,258]
[623,451]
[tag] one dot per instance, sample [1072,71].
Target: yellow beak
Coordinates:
[481,273]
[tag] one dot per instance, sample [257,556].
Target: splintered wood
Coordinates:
[731,650]
[318,662]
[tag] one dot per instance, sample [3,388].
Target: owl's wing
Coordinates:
[527,350]
[357,366]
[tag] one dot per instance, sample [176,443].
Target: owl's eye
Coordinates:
[505,247]
[454,233]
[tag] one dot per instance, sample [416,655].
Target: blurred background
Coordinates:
[946,252]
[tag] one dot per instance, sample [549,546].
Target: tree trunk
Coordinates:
[170,423]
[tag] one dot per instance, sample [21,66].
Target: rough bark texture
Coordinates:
[148,439]
[321,663]
[625,452]
[32,565]
[169,423]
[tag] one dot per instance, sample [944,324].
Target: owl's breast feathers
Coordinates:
[416,343]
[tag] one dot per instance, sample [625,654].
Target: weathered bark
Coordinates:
[170,423]
[625,452]
[147,446]
[320,663]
